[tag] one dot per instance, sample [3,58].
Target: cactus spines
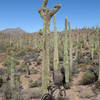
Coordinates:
[66,59]
[56,58]
[70,47]
[46,15]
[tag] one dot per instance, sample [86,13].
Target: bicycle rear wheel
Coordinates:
[47,96]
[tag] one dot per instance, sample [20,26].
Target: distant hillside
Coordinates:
[13,31]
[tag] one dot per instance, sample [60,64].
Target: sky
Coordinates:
[24,14]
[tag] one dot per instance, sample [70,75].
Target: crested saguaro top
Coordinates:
[45,12]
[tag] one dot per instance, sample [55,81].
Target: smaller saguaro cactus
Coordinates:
[77,47]
[66,58]
[99,64]
[27,68]
[56,58]
[27,63]
[12,68]
[92,46]
[18,87]
[70,47]
[35,40]
[98,31]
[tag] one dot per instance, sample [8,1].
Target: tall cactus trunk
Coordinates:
[99,51]
[77,47]
[56,58]
[70,47]
[13,90]
[66,59]
[12,74]
[35,41]
[92,47]
[18,89]
[99,65]
[45,56]
[27,69]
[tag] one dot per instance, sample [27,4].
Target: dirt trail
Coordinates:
[73,92]
[25,79]
[79,92]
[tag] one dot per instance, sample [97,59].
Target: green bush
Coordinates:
[88,78]
[21,53]
[37,83]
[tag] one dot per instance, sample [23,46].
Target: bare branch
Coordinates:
[55,9]
[44,3]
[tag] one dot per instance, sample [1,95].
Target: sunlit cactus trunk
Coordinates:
[98,33]
[70,47]
[92,47]
[66,58]
[99,65]
[12,73]
[21,42]
[92,50]
[10,40]
[35,41]
[18,95]
[77,47]
[56,58]
[13,89]
[45,56]
[27,68]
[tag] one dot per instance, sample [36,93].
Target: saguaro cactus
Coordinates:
[98,32]
[56,58]
[12,73]
[92,45]
[99,64]
[77,47]
[70,47]
[46,15]
[12,68]
[66,60]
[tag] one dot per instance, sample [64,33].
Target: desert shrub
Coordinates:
[2,48]
[37,83]
[97,87]
[39,60]
[88,78]
[8,62]
[21,53]
[29,50]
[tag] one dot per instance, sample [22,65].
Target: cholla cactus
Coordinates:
[56,58]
